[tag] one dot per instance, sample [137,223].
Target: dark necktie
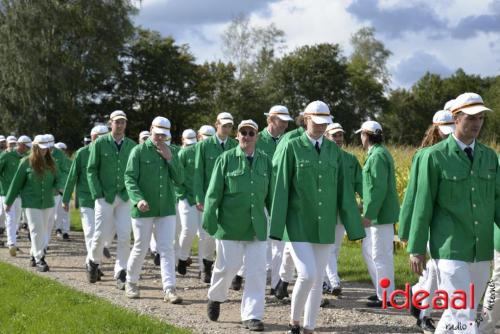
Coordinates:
[250,160]
[119,146]
[317,147]
[222,145]
[468,151]
[274,139]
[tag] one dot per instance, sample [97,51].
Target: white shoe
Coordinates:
[132,290]
[172,297]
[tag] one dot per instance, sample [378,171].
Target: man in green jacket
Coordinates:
[152,171]
[310,189]
[239,191]
[457,203]
[206,153]
[78,176]
[105,172]
[9,162]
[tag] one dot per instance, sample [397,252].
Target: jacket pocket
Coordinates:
[453,185]
[235,180]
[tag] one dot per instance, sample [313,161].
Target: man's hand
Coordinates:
[65,207]
[200,207]
[164,151]
[417,263]
[143,206]
[367,222]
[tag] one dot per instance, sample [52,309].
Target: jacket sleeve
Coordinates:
[71,180]
[17,183]
[199,173]
[426,193]
[131,176]
[93,172]
[2,167]
[213,198]
[269,196]
[347,206]
[176,170]
[59,179]
[180,190]
[408,201]
[376,184]
[358,178]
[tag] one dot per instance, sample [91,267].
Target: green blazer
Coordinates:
[9,162]
[207,152]
[456,203]
[236,196]
[310,189]
[78,176]
[151,178]
[380,197]
[353,171]
[106,168]
[186,159]
[63,163]
[266,143]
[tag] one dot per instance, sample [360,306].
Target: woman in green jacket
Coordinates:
[36,179]
[380,209]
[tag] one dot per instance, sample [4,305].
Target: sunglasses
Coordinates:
[249,133]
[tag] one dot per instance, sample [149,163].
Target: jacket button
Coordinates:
[319,189]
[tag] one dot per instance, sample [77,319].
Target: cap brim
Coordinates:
[322,119]
[160,131]
[473,110]
[43,145]
[446,129]
[190,141]
[358,131]
[333,131]
[285,118]
[225,121]
[248,126]
[27,144]
[119,117]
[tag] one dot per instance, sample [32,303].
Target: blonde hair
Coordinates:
[431,137]
[39,162]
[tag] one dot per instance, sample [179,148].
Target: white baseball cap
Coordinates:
[225,118]
[469,103]
[448,106]
[50,139]
[118,114]
[189,136]
[319,112]
[444,119]
[144,134]
[281,112]
[2,138]
[11,139]
[370,127]
[99,129]
[24,140]
[41,141]
[248,123]
[61,146]
[161,125]
[206,131]
[334,128]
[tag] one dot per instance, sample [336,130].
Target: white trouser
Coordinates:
[108,216]
[12,219]
[178,228]
[457,275]
[165,234]
[2,212]
[277,257]
[50,225]
[427,282]
[287,267]
[206,247]
[310,260]
[491,303]
[38,219]
[190,219]
[378,250]
[88,224]
[230,256]
[61,216]
[331,268]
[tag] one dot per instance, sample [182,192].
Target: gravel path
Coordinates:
[345,315]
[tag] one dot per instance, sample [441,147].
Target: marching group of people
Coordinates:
[270,202]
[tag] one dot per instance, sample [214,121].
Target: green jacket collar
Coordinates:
[453,149]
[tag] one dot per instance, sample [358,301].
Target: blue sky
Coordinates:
[425,35]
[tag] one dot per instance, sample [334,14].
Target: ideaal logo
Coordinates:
[441,299]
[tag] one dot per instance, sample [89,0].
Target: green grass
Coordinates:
[75,221]
[33,304]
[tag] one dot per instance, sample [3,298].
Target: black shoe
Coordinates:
[25,227]
[207,271]
[414,311]
[213,310]
[336,291]
[326,288]
[372,298]
[92,271]
[377,303]
[59,233]
[99,274]
[65,236]
[121,280]
[106,253]
[156,259]
[426,324]
[45,250]
[271,292]
[33,261]
[324,302]
[236,283]
[182,267]
[2,230]
[254,325]
[42,266]
[189,261]
[294,329]
[281,290]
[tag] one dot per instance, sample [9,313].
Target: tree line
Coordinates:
[65,65]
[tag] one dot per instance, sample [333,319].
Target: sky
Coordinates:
[424,35]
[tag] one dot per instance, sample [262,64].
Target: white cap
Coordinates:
[225,118]
[61,146]
[370,127]
[206,131]
[144,134]
[50,138]
[248,123]
[334,128]
[444,119]
[41,141]
[469,103]
[161,125]
[281,112]
[118,114]
[319,112]
[11,139]
[2,138]
[100,129]
[189,136]
[449,105]
[24,140]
